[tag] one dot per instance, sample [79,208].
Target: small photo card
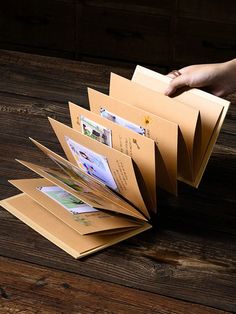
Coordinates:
[72,172]
[123,122]
[95,131]
[92,163]
[85,189]
[66,200]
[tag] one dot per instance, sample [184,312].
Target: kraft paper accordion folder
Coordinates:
[128,144]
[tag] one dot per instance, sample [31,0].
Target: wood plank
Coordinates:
[34,289]
[51,26]
[111,39]
[53,79]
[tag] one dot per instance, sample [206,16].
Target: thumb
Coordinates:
[176,83]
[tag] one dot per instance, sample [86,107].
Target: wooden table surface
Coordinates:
[185,264]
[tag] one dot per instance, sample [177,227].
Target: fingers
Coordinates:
[174,73]
[175,84]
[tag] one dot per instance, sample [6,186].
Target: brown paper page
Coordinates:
[163,132]
[52,228]
[87,194]
[212,111]
[140,148]
[120,165]
[211,145]
[88,221]
[99,192]
[157,103]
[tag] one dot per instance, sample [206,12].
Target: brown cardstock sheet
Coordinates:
[89,192]
[121,165]
[186,117]
[52,228]
[163,132]
[140,148]
[84,223]
[212,109]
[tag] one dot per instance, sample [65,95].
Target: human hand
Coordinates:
[217,78]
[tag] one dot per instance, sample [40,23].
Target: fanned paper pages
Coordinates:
[163,132]
[212,111]
[130,144]
[186,117]
[140,148]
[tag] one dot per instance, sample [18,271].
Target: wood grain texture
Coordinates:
[25,286]
[150,32]
[190,253]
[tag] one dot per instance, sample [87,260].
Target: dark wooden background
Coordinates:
[167,33]
[186,263]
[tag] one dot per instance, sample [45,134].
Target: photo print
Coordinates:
[95,131]
[123,122]
[79,180]
[66,200]
[92,163]
[84,190]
